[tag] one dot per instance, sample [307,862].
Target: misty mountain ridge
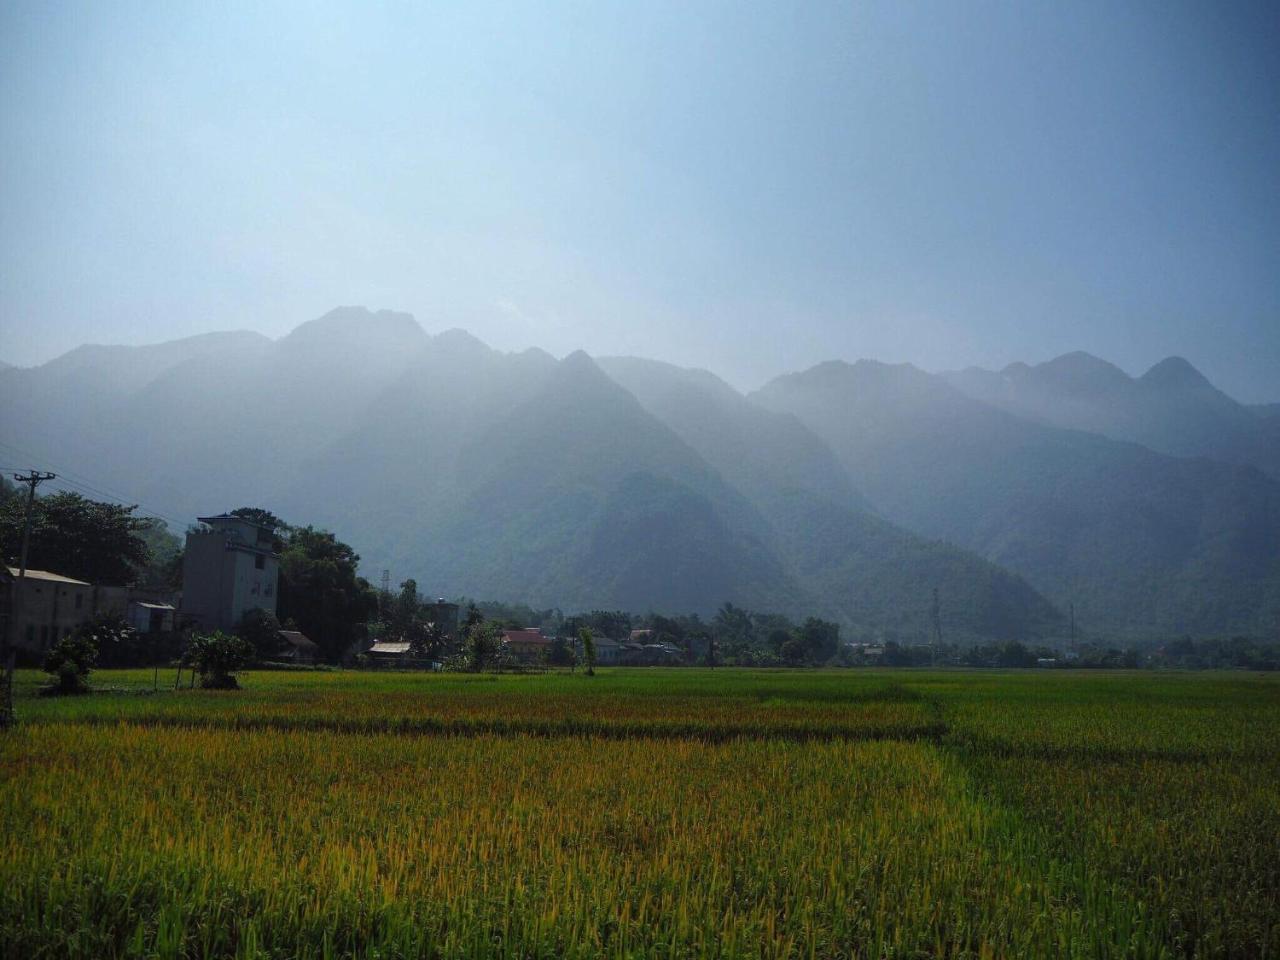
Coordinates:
[633,483]
[1137,540]
[1172,408]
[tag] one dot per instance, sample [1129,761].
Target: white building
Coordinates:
[230,568]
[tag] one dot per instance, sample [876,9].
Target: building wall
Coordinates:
[51,611]
[225,573]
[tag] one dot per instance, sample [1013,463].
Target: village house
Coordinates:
[607,651]
[50,608]
[55,605]
[296,647]
[527,645]
[150,616]
[229,568]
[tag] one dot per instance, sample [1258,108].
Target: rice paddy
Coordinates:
[672,813]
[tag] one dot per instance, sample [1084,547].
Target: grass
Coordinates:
[677,813]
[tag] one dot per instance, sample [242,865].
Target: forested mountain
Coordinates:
[1141,542]
[504,475]
[848,492]
[869,570]
[1171,408]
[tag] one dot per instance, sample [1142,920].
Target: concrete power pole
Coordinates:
[935,612]
[32,480]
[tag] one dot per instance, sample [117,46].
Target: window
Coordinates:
[79,600]
[259,561]
[44,633]
[31,633]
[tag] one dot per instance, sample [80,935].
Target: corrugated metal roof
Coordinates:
[390,646]
[529,635]
[297,638]
[47,575]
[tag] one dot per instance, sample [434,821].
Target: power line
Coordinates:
[123,501]
[63,474]
[83,485]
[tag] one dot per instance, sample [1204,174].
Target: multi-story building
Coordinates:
[230,567]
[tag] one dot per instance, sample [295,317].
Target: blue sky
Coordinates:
[750,188]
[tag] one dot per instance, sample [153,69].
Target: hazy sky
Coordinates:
[751,188]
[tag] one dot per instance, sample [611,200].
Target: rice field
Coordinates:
[642,813]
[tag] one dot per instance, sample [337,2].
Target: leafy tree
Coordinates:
[588,650]
[483,642]
[262,630]
[70,660]
[733,628]
[821,639]
[778,639]
[615,624]
[321,592]
[560,653]
[794,651]
[265,518]
[77,537]
[217,657]
[116,642]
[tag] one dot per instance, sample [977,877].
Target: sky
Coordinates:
[751,188]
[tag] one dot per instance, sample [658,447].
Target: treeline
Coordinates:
[733,637]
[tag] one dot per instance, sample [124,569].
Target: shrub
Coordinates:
[217,657]
[70,660]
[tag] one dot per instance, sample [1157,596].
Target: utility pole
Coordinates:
[385,593]
[32,480]
[935,612]
[1073,626]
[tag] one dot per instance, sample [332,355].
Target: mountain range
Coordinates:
[850,492]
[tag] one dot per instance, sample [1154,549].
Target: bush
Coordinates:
[70,660]
[217,657]
[262,630]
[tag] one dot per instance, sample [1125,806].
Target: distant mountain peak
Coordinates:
[1082,372]
[579,360]
[1175,373]
[354,321]
[459,342]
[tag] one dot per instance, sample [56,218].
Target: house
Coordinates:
[146,616]
[55,605]
[296,647]
[527,645]
[230,567]
[44,609]
[608,651]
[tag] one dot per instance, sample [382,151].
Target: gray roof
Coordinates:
[390,646]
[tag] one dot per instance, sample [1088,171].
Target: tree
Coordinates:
[320,590]
[821,639]
[77,537]
[262,630]
[116,642]
[407,620]
[483,641]
[733,630]
[70,660]
[217,657]
[793,651]
[588,650]
[265,518]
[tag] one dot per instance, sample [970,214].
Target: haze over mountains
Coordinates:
[1171,408]
[846,491]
